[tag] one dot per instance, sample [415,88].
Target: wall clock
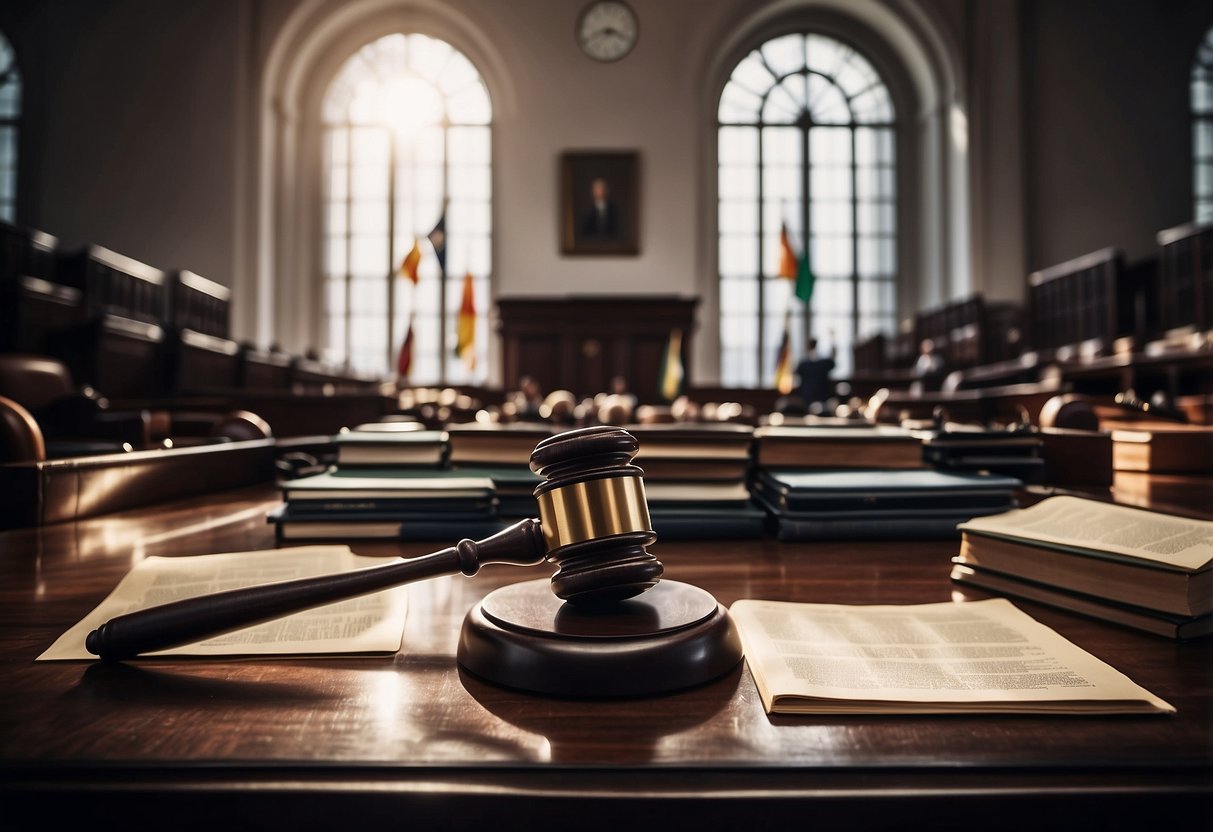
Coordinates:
[607,30]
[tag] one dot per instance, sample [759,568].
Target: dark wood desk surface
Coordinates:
[339,742]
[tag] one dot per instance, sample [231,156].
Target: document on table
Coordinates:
[372,623]
[955,657]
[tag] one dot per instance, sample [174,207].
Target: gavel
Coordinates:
[593,525]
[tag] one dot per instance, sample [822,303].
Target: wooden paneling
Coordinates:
[1186,276]
[579,343]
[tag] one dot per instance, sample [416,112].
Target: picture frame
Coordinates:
[600,203]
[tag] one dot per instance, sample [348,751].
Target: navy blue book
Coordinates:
[849,490]
[746,522]
[910,525]
[386,526]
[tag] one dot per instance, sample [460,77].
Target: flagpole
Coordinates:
[391,247]
[442,306]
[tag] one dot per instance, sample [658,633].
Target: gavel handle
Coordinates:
[192,619]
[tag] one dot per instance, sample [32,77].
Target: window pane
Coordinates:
[737,104]
[830,146]
[739,255]
[738,146]
[469,146]
[784,54]
[738,218]
[738,183]
[826,102]
[785,102]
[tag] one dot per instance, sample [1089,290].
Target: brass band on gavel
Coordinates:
[593,509]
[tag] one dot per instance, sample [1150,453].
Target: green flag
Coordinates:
[804,278]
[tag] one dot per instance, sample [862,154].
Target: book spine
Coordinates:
[789,529]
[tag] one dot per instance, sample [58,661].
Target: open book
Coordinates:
[372,623]
[950,658]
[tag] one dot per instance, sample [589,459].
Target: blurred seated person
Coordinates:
[616,410]
[527,400]
[813,378]
[619,388]
[559,408]
[929,369]
[685,409]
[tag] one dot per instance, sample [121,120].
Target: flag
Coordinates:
[671,367]
[465,329]
[437,239]
[408,266]
[805,278]
[404,363]
[783,359]
[788,266]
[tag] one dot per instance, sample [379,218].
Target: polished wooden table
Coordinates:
[322,743]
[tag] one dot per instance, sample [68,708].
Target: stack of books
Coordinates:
[395,504]
[696,480]
[879,504]
[394,444]
[1016,453]
[502,453]
[388,483]
[1141,569]
[802,447]
[1162,448]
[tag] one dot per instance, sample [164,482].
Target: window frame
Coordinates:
[11,75]
[1202,121]
[765,365]
[397,239]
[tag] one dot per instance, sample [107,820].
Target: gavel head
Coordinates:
[594,516]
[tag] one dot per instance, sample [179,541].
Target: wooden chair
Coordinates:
[20,437]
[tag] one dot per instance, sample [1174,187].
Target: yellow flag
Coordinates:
[465,328]
[671,368]
[783,361]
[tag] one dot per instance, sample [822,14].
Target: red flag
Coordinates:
[404,363]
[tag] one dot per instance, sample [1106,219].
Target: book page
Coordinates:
[372,623]
[1091,524]
[954,657]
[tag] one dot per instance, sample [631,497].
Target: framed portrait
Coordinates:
[600,202]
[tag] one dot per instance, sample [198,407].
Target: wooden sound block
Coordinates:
[673,636]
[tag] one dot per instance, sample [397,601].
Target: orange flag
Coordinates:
[789,263]
[408,266]
[465,329]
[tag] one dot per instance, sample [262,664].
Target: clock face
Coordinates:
[607,30]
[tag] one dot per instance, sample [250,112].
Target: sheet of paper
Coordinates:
[970,657]
[1091,524]
[371,623]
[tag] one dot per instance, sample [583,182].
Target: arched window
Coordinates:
[806,143]
[1202,129]
[407,146]
[10,114]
